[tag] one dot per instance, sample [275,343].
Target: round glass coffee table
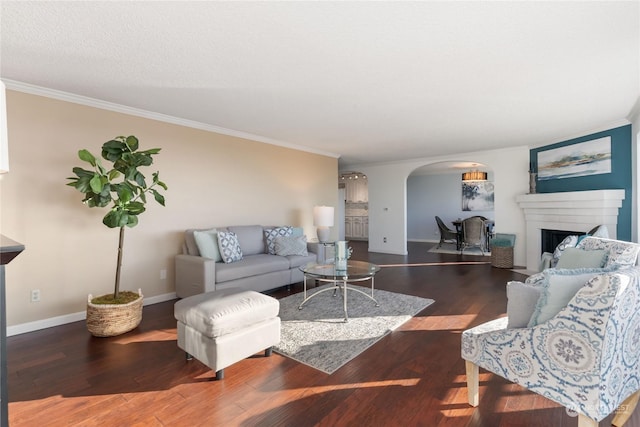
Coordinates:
[355,271]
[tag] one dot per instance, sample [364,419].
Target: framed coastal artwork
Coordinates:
[477,196]
[581,159]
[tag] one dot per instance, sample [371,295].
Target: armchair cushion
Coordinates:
[521,303]
[580,258]
[558,287]
[568,242]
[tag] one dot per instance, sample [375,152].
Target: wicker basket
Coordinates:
[109,320]
[502,256]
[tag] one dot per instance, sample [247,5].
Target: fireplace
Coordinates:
[574,212]
[552,238]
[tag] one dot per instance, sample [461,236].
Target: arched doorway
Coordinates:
[438,189]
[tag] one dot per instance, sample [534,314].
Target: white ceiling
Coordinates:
[369,81]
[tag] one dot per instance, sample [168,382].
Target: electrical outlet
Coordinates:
[384,240]
[35,295]
[163,274]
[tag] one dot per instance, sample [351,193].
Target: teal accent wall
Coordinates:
[619,178]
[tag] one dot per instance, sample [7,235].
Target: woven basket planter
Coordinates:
[109,320]
[502,256]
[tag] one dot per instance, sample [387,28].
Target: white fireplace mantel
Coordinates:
[572,211]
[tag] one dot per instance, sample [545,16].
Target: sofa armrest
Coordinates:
[194,275]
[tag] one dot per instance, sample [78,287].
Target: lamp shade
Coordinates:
[474,176]
[323,216]
[4,135]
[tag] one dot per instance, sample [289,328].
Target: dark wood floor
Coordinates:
[412,377]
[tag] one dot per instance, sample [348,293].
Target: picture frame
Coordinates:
[586,158]
[477,195]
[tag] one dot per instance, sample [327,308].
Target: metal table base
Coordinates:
[339,284]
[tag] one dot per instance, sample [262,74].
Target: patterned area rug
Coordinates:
[450,248]
[318,336]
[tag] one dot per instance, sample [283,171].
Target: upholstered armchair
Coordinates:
[586,357]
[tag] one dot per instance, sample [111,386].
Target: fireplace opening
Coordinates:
[552,238]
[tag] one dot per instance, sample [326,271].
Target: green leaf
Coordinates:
[159,197]
[112,219]
[139,178]
[132,143]
[133,221]
[83,185]
[124,194]
[135,208]
[113,174]
[83,172]
[96,183]
[151,151]
[86,156]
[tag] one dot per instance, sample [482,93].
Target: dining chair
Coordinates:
[446,234]
[474,234]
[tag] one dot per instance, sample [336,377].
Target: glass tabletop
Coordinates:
[355,270]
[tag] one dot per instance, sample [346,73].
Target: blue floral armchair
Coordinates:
[585,358]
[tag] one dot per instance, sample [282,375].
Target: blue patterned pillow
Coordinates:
[229,246]
[270,235]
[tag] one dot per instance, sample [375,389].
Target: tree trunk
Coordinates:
[116,291]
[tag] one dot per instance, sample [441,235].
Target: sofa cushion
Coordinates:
[289,245]
[296,261]
[229,246]
[250,238]
[207,242]
[270,235]
[521,303]
[251,265]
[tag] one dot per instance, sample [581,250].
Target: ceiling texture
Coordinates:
[366,81]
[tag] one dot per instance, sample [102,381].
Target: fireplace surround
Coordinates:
[569,211]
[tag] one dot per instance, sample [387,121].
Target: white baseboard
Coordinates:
[423,240]
[37,325]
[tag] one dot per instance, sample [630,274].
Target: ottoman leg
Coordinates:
[268,352]
[220,375]
[189,357]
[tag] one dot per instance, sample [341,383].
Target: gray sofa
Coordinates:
[258,270]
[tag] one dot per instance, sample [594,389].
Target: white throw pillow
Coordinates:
[559,286]
[568,242]
[207,243]
[521,303]
[579,258]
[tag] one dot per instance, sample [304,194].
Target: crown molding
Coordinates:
[118,108]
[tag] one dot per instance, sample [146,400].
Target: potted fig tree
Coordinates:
[124,188]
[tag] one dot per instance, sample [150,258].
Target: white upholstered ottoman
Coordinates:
[222,327]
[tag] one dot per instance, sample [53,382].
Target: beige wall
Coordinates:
[213,180]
